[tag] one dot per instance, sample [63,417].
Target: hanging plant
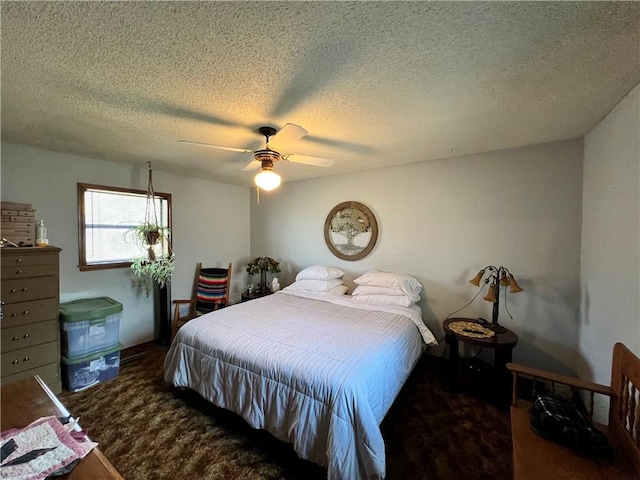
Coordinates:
[159,262]
[148,271]
[149,231]
[149,234]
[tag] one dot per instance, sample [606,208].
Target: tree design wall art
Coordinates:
[351,231]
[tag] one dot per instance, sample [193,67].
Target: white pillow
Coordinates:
[401,300]
[409,285]
[335,291]
[315,285]
[319,272]
[373,290]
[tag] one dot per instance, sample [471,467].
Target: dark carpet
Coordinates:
[150,430]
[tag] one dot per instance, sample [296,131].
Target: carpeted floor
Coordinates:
[150,430]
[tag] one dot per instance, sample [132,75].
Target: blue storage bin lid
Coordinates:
[88,308]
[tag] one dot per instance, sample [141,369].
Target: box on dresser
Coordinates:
[30,328]
[18,223]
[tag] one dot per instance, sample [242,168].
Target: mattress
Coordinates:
[317,372]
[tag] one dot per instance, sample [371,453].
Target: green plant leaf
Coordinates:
[259,264]
[148,271]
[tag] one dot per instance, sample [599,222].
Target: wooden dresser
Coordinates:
[30,328]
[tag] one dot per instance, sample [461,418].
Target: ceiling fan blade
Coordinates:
[252,165]
[220,147]
[318,162]
[287,134]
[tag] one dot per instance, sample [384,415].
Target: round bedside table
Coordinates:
[502,345]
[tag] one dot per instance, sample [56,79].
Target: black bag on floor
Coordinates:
[562,421]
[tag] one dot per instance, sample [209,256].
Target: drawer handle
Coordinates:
[25,289]
[13,290]
[15,362]
[26,312]
[18,260]
[19,272]
[25,359]
[26,335]
[14,314]
[14,339]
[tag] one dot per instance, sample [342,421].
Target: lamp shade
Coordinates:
[476,280]
[491,294]
[515,288]
[267,180]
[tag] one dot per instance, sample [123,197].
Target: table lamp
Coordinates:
[496,277]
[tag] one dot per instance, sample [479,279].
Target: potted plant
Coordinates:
[159,262]
[148,233]
[153,274]
[153,269]
[158,270]
[262,265]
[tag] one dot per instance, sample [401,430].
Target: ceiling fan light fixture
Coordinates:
[266,157]
[267,180]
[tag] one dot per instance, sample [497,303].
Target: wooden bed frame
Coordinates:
[536,458]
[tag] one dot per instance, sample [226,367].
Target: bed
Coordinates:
[315,371]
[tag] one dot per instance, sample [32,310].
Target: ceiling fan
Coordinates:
[265,158]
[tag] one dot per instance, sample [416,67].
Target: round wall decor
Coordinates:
[350,230]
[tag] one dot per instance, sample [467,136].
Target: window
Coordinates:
[106,216]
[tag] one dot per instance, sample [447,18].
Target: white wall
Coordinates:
[610,279]
[210,224]
[441,221]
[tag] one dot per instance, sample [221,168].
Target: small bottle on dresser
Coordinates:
[41,237]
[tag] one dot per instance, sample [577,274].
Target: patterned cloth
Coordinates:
[212,289]
[40,449]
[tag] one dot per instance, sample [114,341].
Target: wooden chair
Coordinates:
[535,458]
[210,292]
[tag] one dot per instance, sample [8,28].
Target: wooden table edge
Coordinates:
[62,410]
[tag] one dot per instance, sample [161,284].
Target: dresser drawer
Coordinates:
[27,271]
[28,358]
[50,373]
[16,314]
[14,291]
[29,335]
[32,256]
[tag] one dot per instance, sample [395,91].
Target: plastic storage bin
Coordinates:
[85,372]
[89,326]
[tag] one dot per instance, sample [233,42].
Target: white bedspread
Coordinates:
[317,372]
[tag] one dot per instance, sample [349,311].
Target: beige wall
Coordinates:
[441,221]
[610,279]
[210,224]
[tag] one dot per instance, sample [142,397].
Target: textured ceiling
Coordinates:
[374,83]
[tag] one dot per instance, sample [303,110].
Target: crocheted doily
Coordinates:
[471,329]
